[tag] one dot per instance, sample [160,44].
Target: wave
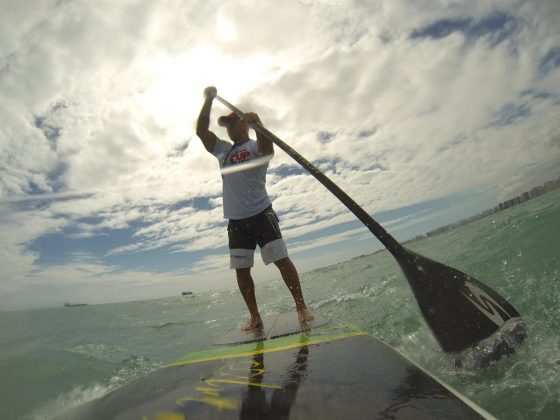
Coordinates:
[337,300]
[68,401]
[130,369]
[99,352]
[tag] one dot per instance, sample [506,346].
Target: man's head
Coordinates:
[237,129]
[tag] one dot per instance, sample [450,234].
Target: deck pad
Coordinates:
[273,326]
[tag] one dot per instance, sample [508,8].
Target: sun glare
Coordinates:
[174,96]
[225,28]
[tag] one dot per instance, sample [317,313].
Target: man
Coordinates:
[246,204]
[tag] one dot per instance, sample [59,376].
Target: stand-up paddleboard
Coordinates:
[330,372]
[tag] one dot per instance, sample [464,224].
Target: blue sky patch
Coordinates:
[510,113]
[198,203]
[500,25]
[550,61]
[284,171]
[57,248]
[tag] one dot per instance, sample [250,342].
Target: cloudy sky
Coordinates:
[424,111]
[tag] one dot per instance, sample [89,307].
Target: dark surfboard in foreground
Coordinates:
[330,372]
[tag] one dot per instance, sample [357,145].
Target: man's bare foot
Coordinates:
[253,324]
[304,315]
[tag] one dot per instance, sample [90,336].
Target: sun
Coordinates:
[225,28]
[173,93]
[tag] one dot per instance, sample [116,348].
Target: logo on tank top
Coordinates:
[238,157]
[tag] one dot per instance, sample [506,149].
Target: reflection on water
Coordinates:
[414,387]
[255,406]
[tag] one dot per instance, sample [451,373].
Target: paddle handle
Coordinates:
[380,233]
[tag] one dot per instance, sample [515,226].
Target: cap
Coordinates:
[226,120]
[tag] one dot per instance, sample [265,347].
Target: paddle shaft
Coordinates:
[380,233]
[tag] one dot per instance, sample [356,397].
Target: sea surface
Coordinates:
[54,359]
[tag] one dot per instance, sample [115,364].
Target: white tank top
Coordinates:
[244,191]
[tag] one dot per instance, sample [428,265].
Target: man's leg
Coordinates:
[291,278]
[247,288]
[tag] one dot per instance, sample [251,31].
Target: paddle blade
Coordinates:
[460,310]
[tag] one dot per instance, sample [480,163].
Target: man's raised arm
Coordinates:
[202,126]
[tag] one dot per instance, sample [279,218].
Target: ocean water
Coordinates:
[54,359]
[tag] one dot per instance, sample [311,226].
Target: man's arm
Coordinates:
[202,126]
[264,144]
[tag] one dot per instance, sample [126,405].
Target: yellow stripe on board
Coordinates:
[260,348]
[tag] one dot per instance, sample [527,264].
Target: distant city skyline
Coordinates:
[527,195]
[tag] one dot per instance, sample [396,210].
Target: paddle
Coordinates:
[459,310]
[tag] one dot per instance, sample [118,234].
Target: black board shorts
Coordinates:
[263,230]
